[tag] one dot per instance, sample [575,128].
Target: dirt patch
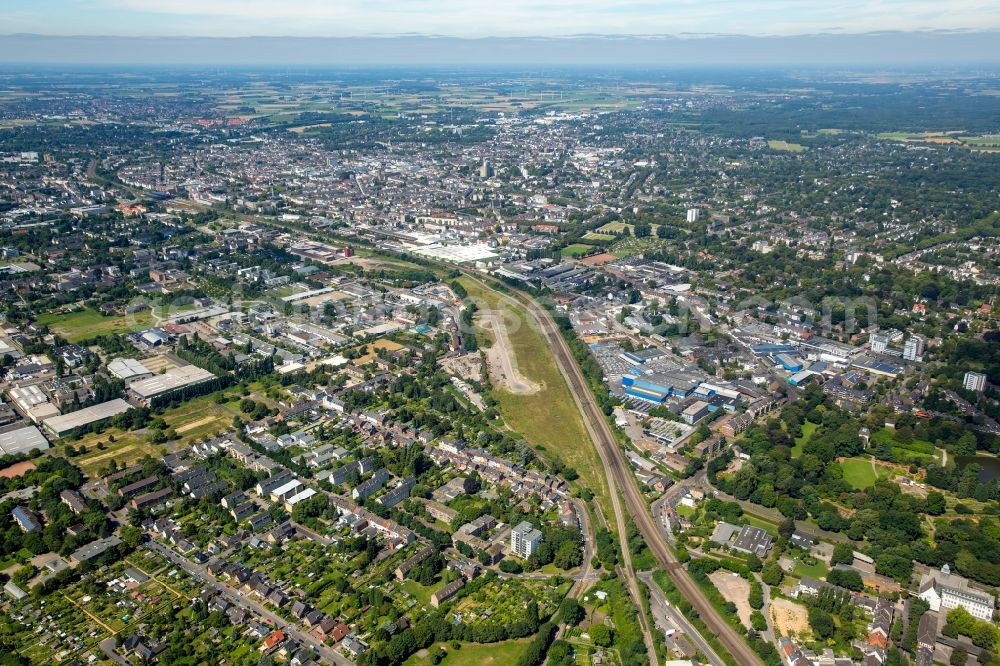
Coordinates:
[17,469]
[789,618]
[158,363]
[500,357]
[197,424]
[735,589]
[465,367]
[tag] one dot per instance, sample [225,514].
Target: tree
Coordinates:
[600,635]
[753,563]
[786,528]
[843,553]
[758,621]
[568,555]
[935,504]
[772,574]
[821,622]
[959,657]
[756,596]
[570,611]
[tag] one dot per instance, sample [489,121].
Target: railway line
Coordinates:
[621,480]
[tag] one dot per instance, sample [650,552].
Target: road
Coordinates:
[620,477]
[291,630]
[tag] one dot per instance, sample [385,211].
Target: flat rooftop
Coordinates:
[170,380]
[22,440]
[60,425]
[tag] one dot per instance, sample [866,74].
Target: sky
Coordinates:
[490,18]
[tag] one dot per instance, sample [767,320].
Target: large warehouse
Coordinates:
[65,424]
[145,390]
[22,440]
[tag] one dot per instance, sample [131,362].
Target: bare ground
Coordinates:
[736,589]
[501,360]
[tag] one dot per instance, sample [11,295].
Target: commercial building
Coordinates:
[974,381]
[695,412]
[128,369]
[789,362]
[173,379]
[66,423]
[22,440]
[524,540]
[32,402]
[657,387]
[745,539]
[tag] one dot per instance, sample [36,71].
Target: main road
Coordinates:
[620,479]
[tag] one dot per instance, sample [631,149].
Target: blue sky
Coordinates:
[478,18]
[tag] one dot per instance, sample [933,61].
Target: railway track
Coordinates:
[620,479]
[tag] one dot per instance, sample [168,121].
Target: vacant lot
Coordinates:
[576,250]
[505,372]
[549,418]
[736,589]
[786,147]
[789,618]
[87,323]
[194,420]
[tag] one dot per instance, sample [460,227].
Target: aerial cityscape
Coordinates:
[370,342]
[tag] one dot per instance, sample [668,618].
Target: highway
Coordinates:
[620,477]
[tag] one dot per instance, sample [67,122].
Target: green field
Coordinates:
[576,250]
[548,418]
[786,146]
[817,571]
[194,420]
[808,428]
[860,473]
[766,525]
[87,323]
[473,654]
